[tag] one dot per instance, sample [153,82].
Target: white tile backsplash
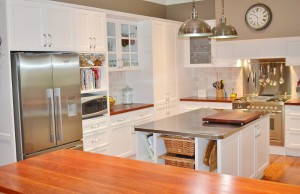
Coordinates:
[205,77]
[117,81]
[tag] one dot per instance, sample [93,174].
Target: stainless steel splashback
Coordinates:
[266,77]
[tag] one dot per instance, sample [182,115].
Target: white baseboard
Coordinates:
[277,150]
[293,152]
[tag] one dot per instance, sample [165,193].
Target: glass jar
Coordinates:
[127,95]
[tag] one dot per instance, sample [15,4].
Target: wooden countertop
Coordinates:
[295,102]
[206,99]
[121,108]
[73,171]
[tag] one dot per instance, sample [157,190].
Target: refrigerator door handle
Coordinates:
[52,122]
[59,115]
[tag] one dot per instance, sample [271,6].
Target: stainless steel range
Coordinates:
[266,86]
[274,106]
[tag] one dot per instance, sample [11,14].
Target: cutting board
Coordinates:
[232,117]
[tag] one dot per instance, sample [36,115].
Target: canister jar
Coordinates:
[127,95]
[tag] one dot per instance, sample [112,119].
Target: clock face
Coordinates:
[258,16]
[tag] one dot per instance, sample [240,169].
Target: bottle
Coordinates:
[233,95]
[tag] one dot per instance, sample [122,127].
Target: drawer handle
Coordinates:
[120,120]
[95,126]
[142,115]
[96,140]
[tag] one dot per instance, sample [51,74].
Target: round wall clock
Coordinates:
[258,16]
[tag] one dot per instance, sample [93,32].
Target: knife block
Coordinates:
[220,93]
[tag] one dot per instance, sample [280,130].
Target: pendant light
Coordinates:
[194,26]
[223,30]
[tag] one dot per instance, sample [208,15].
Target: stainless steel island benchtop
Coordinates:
[191,124]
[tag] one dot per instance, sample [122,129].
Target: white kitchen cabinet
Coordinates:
[260,48]
[120,142]
[120,134]
[41,27]
[122,43]
[228,155]
[223,54]
[164,62]
[95,139]
[262,134]
[197,50]
[292,130]
[90,31]
[7,132]
[166,110]
[293,52]
[96,123]
[248,152]
[95,133]
[122,138]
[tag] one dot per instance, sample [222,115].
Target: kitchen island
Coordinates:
[242,150]
[73,171]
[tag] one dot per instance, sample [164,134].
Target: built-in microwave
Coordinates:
[93,105]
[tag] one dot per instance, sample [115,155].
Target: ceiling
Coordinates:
[170,2]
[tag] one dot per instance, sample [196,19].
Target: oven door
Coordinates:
[93,106]
[276,135]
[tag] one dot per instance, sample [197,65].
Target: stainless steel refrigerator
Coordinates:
[47,107]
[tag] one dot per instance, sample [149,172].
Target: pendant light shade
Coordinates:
[194,26]
[223,30]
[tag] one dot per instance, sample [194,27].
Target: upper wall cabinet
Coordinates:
[90,31]
[163,45]
[41,27]
[293,52]
[122,42]
[198,51]
[223,54]
[260,48]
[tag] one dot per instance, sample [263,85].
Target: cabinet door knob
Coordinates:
[94,43]
[91,43]
[45,40]
[50,38]
[96,140]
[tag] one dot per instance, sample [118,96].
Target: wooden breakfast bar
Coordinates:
[73,171]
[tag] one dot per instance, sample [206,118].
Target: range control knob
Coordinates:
[248,107]
[271,108]
[266,108]
[275,108]
[252,107]
[257,107]
[261,107]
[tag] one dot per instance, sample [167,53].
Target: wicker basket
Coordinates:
[179,145]
[174,160]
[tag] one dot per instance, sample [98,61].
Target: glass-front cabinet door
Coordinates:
[122,45]
[198,50]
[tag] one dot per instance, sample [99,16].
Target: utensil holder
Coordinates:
[220,93]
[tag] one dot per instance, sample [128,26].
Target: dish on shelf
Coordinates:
[91,60]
